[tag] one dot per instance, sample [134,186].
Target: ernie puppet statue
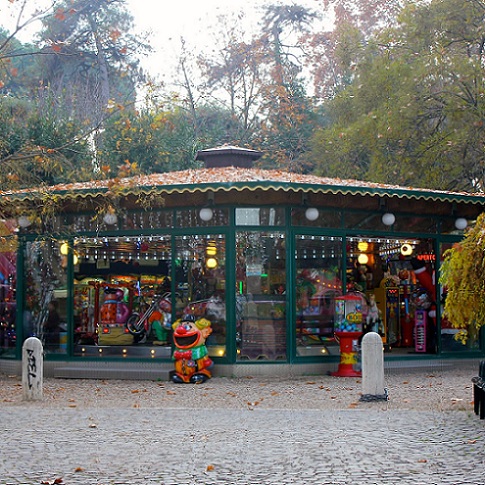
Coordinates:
[192,362]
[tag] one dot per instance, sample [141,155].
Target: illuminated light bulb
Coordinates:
[64,248]
[211,250]
[406,250]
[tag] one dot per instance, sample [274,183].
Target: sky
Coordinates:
[194,20]
[168,21]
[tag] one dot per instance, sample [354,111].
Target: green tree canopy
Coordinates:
[59,91]
[413,111]
[162,138]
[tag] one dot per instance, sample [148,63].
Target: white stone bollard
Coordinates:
[373,368]
[32,369]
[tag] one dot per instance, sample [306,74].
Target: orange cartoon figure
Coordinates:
[192,362]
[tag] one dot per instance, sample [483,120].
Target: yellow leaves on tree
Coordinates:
[106,169]
[127,169]
[463,277]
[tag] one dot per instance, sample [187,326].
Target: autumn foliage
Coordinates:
[463,277]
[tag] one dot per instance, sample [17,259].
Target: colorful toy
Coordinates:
[192,362]
[425,323]
[156,315]
[114,310]
[157,320]
[350,311]
[373,317]
[114,314]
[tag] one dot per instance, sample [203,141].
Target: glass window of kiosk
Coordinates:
[397,277]
[45,314]
[122,296]
[200,282]
[260,295]
[8,285]
[318,283]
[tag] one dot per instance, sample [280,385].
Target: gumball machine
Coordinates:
[350,311]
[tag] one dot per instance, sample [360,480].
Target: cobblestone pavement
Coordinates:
[244,431]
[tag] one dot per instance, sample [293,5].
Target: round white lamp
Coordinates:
[206,213]
[312,213]
[24,221]
[110,218]
[461,223]
[211,263]
[363,258]
[388,218]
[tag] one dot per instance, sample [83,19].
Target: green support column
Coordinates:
[20,297]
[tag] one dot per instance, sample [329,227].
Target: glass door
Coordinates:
[261,305]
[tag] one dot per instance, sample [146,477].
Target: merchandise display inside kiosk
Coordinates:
[394,280]
[125,300]
[128,292]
